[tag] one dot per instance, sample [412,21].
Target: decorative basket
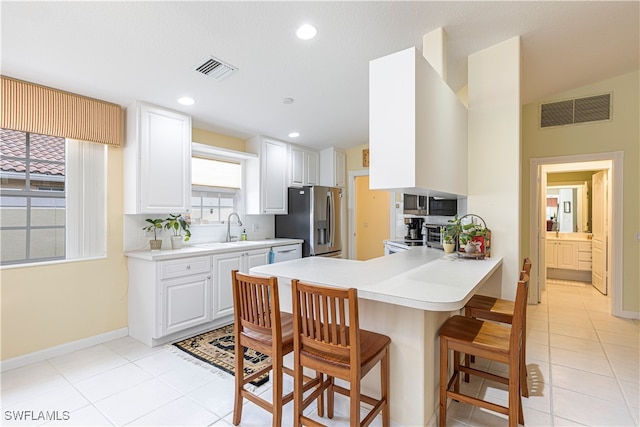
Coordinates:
[479,245]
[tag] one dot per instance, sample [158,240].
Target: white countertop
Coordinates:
[422,278]
[208,249]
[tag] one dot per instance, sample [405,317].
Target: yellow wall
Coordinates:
[354,158]
[51,305]
[622,133]
[223,141]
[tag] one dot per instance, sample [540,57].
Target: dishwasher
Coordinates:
[285,253]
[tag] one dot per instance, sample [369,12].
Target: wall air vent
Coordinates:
[580,110]
[215,68]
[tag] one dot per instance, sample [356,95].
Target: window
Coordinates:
[216,187]
[52,198]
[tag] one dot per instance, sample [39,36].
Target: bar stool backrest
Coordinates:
[257,304]
[327,321]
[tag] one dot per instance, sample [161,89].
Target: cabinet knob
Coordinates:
[188,267]
[209,277]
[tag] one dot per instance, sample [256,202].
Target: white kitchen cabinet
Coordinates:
[266,177]
[157,161]
[417,128]
[304,166]
[584,256]
[333,167]
[568,254]
[167,297]
[223,265]
[551,254]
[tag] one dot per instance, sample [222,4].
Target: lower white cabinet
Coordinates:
[169,296]
[223,265]
[172,299]
[186,302]
[568,254]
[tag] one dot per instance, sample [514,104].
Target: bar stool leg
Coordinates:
[384,386]
[444,373]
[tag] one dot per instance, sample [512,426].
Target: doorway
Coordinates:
[608,236]
[370,224]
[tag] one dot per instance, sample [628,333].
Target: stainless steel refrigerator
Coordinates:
[314,216]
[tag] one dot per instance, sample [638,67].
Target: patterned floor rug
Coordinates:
[217,348]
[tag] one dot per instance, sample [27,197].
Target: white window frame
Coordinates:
[85,205]
[217,153]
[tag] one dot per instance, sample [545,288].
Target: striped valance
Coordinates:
[39,109]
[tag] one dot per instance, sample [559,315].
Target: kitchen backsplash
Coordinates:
[135,238]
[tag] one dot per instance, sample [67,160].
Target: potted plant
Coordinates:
[451,231]
[177,224]
[154,226]
[470,237]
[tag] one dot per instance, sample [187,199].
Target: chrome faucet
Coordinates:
[229,236]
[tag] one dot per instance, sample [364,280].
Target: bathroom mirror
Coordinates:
[568,208]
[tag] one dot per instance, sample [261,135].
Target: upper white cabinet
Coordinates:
[304,166]
[333,167]
[157,160]
[266,177]
[417,128]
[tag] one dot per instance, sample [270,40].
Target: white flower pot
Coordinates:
[176,242]
[155,245]
[449,247]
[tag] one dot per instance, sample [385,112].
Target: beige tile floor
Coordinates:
[583,367]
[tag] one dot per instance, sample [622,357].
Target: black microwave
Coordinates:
[423,205]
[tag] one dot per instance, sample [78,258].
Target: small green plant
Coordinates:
[177,224]
[469,231]
[452,230]
[154,225]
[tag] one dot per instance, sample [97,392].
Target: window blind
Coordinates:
[39,109]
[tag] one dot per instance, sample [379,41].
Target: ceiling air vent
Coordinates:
[215,68]
[579,110]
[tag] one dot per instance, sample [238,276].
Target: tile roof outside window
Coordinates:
[43,147]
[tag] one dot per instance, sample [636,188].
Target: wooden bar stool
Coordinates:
[328,339]
[260,325]
[493,341]
[500,310]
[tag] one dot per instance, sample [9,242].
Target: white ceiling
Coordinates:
[123,51]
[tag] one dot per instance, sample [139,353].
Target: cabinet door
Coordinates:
[551,254]
[297,167]
[165,161]
[340,161]
[274,177]
[311,161]
[567,255]
[254,258]
[185,302]
[223,265]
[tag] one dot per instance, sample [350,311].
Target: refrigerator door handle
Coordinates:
[330,219]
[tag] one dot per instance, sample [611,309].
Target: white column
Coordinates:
[494,152]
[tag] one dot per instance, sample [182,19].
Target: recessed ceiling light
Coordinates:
[294,134]
[306,32]
[287,100]
[185,100]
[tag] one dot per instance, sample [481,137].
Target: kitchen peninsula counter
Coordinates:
[407,296]
[422,278]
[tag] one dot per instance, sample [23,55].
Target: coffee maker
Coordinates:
[414,228]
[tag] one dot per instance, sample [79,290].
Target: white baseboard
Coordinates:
[47,353]
[630,314]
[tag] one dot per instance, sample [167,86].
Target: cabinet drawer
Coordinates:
[584,246]
[184,267]
[584,256]
[584,265]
